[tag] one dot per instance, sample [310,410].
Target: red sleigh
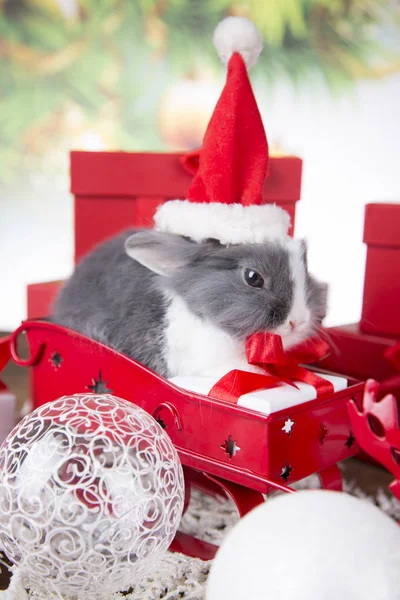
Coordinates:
[244,452]
[223,447]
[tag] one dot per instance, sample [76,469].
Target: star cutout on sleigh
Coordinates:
[286,472]
[99,386]
[288,426]
[56,359]
[161,423]
[230,447]
[350,440]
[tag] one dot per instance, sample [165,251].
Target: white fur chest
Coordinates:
[194,346]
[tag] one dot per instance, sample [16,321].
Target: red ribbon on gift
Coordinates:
[266,351]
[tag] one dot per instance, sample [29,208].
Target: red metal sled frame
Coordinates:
[223,447]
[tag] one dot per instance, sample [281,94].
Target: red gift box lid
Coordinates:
[382,225]
[127,174]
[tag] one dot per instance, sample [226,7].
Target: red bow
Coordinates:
[266,351]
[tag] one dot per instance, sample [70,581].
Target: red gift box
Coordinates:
[40,297]
[357,354]
[117,190]
[381,301]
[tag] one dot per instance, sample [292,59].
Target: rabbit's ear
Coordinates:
[163,253]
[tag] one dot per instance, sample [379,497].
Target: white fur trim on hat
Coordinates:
[228,223]
[238,34]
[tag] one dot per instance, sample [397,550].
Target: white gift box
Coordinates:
[264,401]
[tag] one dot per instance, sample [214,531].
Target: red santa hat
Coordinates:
[225,198]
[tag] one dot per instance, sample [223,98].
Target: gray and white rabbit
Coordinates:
[185,308]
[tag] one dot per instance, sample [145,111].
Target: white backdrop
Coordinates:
[351,152]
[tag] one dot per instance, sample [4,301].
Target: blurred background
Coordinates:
[143,75]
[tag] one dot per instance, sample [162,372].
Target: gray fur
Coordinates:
[214,289]
[120,300]
[116,301]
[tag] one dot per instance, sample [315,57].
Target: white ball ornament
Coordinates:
[307,546]
[238,34]
[91,496]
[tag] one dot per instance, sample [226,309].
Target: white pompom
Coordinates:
[238,34]
[309,545]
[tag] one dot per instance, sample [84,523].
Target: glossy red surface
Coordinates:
[117,190]
[4,357]
[357,354]
[64,362]
[376,426]
[40,297]
[380,311]
[198,425]
[362,356]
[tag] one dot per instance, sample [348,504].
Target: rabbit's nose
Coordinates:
[292,325]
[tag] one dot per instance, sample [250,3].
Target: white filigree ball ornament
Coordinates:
[91,496]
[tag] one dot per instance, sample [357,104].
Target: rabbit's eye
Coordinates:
[253,278]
